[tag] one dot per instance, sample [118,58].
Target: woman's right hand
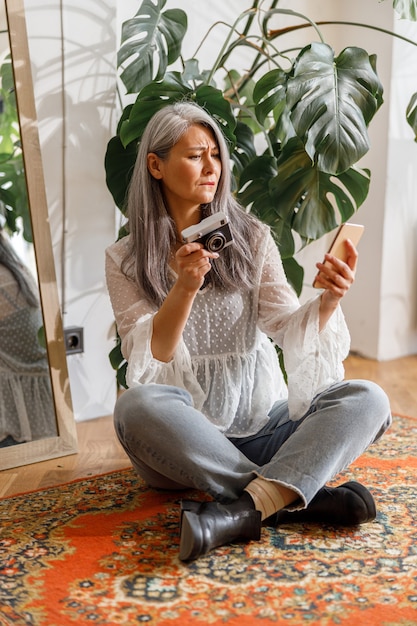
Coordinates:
[192,263]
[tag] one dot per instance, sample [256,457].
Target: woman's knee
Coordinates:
[142,406]
[361,404]
[380,403]
[372,396]
[372,405]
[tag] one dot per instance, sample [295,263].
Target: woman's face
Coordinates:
[191,173]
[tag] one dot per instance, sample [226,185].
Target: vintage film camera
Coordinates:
[213,232]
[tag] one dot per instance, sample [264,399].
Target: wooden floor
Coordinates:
[100,452]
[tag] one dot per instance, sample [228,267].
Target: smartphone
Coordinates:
[337,248]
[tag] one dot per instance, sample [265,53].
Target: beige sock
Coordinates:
[266,495]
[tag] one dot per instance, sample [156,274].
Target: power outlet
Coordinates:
[74,339]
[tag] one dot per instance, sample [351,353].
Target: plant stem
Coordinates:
[262,50]
[225,51]
[221,54]
[310,23]
[283,31]
[251,17]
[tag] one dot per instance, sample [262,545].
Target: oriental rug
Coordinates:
[104,551]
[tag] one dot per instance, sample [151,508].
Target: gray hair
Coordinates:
[150,224]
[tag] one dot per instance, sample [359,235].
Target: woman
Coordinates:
[207,406]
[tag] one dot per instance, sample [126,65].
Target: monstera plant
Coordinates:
[311,106]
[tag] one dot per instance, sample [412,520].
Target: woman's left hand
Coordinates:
[336,278]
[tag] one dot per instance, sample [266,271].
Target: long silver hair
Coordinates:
[152,230]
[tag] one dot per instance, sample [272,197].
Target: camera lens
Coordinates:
[215,242]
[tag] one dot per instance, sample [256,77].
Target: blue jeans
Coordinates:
[173,446]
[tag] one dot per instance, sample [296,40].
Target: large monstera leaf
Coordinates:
[119,163]
[269,94]
[305,196]
[291,193]
[332,100]
[172,89]
[150,42]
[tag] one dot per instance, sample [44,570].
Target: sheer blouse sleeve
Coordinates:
[313,360]
[134,320]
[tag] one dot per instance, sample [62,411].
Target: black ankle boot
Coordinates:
[207,525]
[349,504]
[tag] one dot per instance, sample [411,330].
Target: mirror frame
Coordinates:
[65,442]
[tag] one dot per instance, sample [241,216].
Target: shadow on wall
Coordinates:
[75,90]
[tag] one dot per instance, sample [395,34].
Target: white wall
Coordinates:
[77,121]
[398,303]
[75,124]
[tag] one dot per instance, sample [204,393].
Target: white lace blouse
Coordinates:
[226,359]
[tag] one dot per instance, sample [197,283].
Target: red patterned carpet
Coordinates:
[103,551]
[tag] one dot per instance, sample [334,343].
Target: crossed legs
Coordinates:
[174,446]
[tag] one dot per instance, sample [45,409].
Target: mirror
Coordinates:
[39,394]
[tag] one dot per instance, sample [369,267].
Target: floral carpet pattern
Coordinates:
[104,551]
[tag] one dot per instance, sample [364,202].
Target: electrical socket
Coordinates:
[74,339]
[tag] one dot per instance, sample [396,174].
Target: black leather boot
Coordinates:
[207,525]
[349,504]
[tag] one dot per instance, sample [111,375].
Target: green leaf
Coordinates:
[253,185]
[282,361]
[312,202]
[150,42]
[115,356]
[284,237]
[119,162]
[244,151]
[292,195]
[13,192]
[254,193]
[407,9]
[42,337]
[214,102]
[411,114]
[332,100]
[13,195]
[269,94]
[356,182]
[151,99]
[191,72]
[294,273]
[121,376]
[118,363]
[157,95]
